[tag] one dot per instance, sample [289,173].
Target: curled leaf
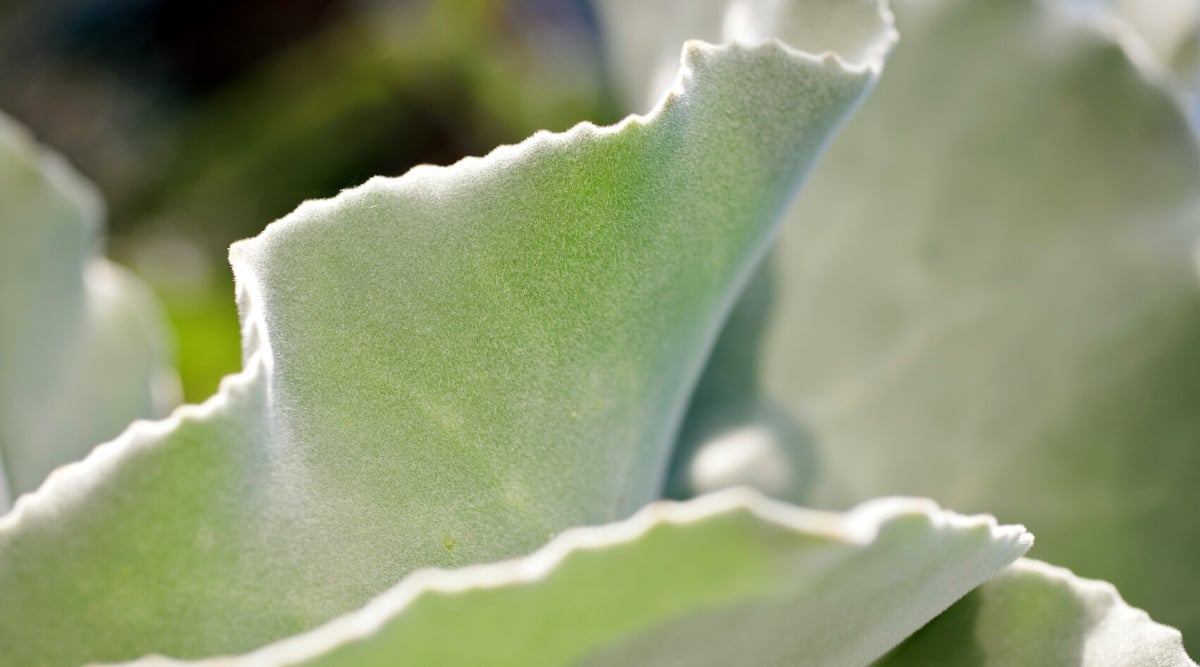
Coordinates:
[1038,615]
[441,369]
[726,579]
[987,294]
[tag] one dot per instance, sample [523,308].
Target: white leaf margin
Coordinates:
[860,526]
[1117,21]
[69,484]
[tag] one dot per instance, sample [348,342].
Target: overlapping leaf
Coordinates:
[728,579]
[1170,30]
[83,348]
[988,295]
[441,369]
[1037,615]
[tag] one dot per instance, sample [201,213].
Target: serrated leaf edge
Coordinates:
[859,526]
[71,479]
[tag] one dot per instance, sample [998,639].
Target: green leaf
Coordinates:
[988,295]
[643,38]
[1036,615]
[441,369]
[1169,30]
[83,349]
[727,579]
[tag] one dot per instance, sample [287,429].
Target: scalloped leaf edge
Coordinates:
[859,526]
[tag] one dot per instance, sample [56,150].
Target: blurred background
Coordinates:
[203,122]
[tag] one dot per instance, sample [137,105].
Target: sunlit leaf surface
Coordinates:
[1037,615]
[729,579]
[441,369]
[987,294]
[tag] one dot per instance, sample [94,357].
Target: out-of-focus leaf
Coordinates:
[441,369]
[82,345]
[1036,615]
[1171,29]
[988,296]
[643,38]
[1161,36]
[728,579]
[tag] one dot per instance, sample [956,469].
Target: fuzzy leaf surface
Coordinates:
[988,295]
[442,369]
[727,579]
[1038,615]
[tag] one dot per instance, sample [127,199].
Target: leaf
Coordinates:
[1036,615]
[441,369]
[1169,29]
[730,578]
[83,346]
[1161,36]
[987,295]
[643,38]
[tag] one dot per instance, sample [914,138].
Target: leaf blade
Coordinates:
[1008,322]
[697,583]
[81,337]
[430,418]
[1049,617]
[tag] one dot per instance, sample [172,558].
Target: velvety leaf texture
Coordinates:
[83,346]
[442,369]
[729,579]
[1037,615]
[987,294]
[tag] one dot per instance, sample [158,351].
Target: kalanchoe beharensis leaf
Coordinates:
[1036,615]
[643,38]
[1161,36]
[1170,30]
[83,346]
[441,369]
[988,295]
[728,579]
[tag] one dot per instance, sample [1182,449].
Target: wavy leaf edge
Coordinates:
[858,526]
[72,478]
[1102,628]
[1106,20]
[1104,595]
